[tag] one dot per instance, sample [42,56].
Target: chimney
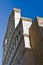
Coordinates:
[17,16]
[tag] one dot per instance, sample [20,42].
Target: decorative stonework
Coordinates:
[23,41]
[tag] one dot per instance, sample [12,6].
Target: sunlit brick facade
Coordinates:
[36,40]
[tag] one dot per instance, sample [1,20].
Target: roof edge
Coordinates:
[26,19]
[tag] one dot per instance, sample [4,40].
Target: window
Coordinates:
[9,56]
[5,41]
[17,37]
[19,32]
[18,62]
[8,59]
[15,43]
[16,40]
[11,51]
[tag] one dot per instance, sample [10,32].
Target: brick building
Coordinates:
[20,45]
[36,39]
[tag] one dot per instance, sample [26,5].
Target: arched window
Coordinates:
[5,41]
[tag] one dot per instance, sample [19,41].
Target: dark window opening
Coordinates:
[19,33]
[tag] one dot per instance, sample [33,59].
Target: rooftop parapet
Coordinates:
[40,21]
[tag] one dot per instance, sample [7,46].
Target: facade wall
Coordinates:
[36,42]
[15,41]
[40,23]
[8,36]
[41,30]
[26,25]
[23,42]
[27,59]
[19,55]
[17,16]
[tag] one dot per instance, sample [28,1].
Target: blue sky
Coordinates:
[29,8]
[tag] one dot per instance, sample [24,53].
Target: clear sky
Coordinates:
[29,8]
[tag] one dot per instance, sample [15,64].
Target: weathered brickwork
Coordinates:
[36,42]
